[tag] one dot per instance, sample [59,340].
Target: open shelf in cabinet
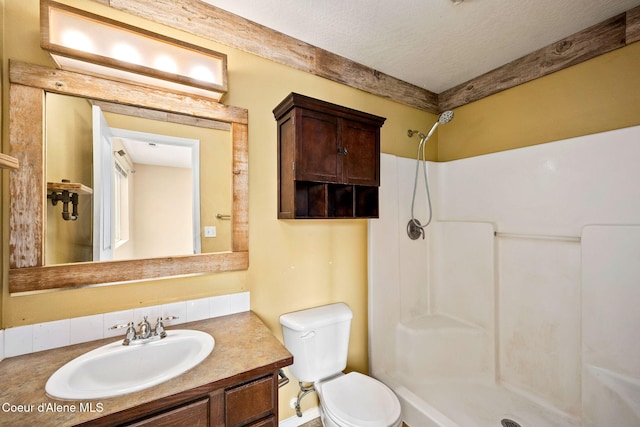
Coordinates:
[325,200]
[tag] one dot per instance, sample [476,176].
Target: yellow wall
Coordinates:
[299,264]
[69,156]
[293,265]
[594,96]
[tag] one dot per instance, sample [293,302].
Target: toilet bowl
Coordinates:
[318,338]
[356,400]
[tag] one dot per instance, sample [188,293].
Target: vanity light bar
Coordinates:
[81,41]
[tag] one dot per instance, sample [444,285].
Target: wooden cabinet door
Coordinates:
[317,147]
[249,402]
[361,153]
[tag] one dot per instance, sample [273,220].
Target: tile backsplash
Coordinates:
[44,336]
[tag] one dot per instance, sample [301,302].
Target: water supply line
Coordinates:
[415,228]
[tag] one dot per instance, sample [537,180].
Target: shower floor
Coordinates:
[467,404]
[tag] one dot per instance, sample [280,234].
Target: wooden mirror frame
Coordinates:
[28,187]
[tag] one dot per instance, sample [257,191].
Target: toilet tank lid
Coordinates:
[305,320]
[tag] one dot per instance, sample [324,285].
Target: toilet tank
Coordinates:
[318,338]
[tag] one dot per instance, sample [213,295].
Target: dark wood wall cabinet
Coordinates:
[328,160]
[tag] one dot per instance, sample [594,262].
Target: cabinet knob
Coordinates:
[342,150]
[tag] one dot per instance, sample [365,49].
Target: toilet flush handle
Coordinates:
[308,335]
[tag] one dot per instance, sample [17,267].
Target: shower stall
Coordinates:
[520,305]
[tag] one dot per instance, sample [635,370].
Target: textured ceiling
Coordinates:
[433,44]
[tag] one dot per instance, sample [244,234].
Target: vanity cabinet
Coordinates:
[235,386]
[247,404]
[328,160]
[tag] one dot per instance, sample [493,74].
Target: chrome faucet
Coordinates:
[145,329]
[145,333]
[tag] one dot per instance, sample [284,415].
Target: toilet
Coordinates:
[318,338]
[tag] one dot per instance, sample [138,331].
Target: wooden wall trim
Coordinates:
[633,25]
[579,47]
[216,24]
[221,26]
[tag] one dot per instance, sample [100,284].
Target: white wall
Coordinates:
[557,284]
[163,211]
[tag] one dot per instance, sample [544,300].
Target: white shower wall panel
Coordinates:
[384,271]
[413,253]
[462,272]
[539,312]
[561,317]
[555,188]
[611,319]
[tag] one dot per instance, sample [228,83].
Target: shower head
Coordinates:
[445,117]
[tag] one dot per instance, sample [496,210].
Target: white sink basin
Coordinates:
[115,369]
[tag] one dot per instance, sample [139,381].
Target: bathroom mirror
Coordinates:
[156,186]
[29,86]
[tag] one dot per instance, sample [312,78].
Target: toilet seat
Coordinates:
[356,400]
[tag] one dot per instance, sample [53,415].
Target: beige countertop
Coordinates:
[242,343]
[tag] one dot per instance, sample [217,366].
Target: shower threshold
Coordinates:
[468,404]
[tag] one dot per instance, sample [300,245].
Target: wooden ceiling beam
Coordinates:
[633,25]
[215,24]
[579,47]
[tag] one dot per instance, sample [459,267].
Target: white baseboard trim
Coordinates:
[307,416]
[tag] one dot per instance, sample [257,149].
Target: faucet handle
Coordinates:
[120,325]
[159,329]
[130,334]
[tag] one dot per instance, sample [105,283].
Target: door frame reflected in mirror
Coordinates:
[27,185]
[131,158]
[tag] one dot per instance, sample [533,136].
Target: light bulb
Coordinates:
[201,72]
[78,40]
[166,63]
[127,53]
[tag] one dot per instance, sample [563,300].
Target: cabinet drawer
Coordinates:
[250,402]
[267,422]
[194,414]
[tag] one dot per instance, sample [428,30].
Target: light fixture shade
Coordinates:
[81,41]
